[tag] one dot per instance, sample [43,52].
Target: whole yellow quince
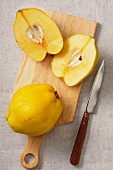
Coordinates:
[34,109]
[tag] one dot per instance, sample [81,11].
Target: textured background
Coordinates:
[97,153]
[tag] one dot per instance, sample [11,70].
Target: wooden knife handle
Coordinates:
[75,156]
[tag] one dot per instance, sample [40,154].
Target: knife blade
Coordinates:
[93,98]
[91,104]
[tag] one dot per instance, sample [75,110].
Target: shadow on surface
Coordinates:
[98,31]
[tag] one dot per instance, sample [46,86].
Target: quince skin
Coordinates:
[76,60]
[34,109]
[37,34]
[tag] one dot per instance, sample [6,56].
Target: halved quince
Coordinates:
[76,60]
[37,34]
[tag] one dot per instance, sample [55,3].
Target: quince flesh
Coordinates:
[34,109]
[37,34]
[76,60]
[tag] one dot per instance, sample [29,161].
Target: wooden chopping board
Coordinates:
[32,72]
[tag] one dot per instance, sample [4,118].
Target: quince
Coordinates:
[34,109]
[37,34]
[76,60]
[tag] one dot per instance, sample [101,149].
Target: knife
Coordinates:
[91,104]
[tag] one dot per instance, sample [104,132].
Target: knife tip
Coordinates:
[103,62]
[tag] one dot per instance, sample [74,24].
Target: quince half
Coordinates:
[34,109]
[76,60]
[37,34]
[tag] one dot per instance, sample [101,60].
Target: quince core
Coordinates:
[37,34]
[76,60]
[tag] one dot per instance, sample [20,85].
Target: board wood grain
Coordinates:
[32,72]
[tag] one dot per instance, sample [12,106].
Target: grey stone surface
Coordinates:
[97,153]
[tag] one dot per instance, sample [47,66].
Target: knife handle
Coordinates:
[76,152]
